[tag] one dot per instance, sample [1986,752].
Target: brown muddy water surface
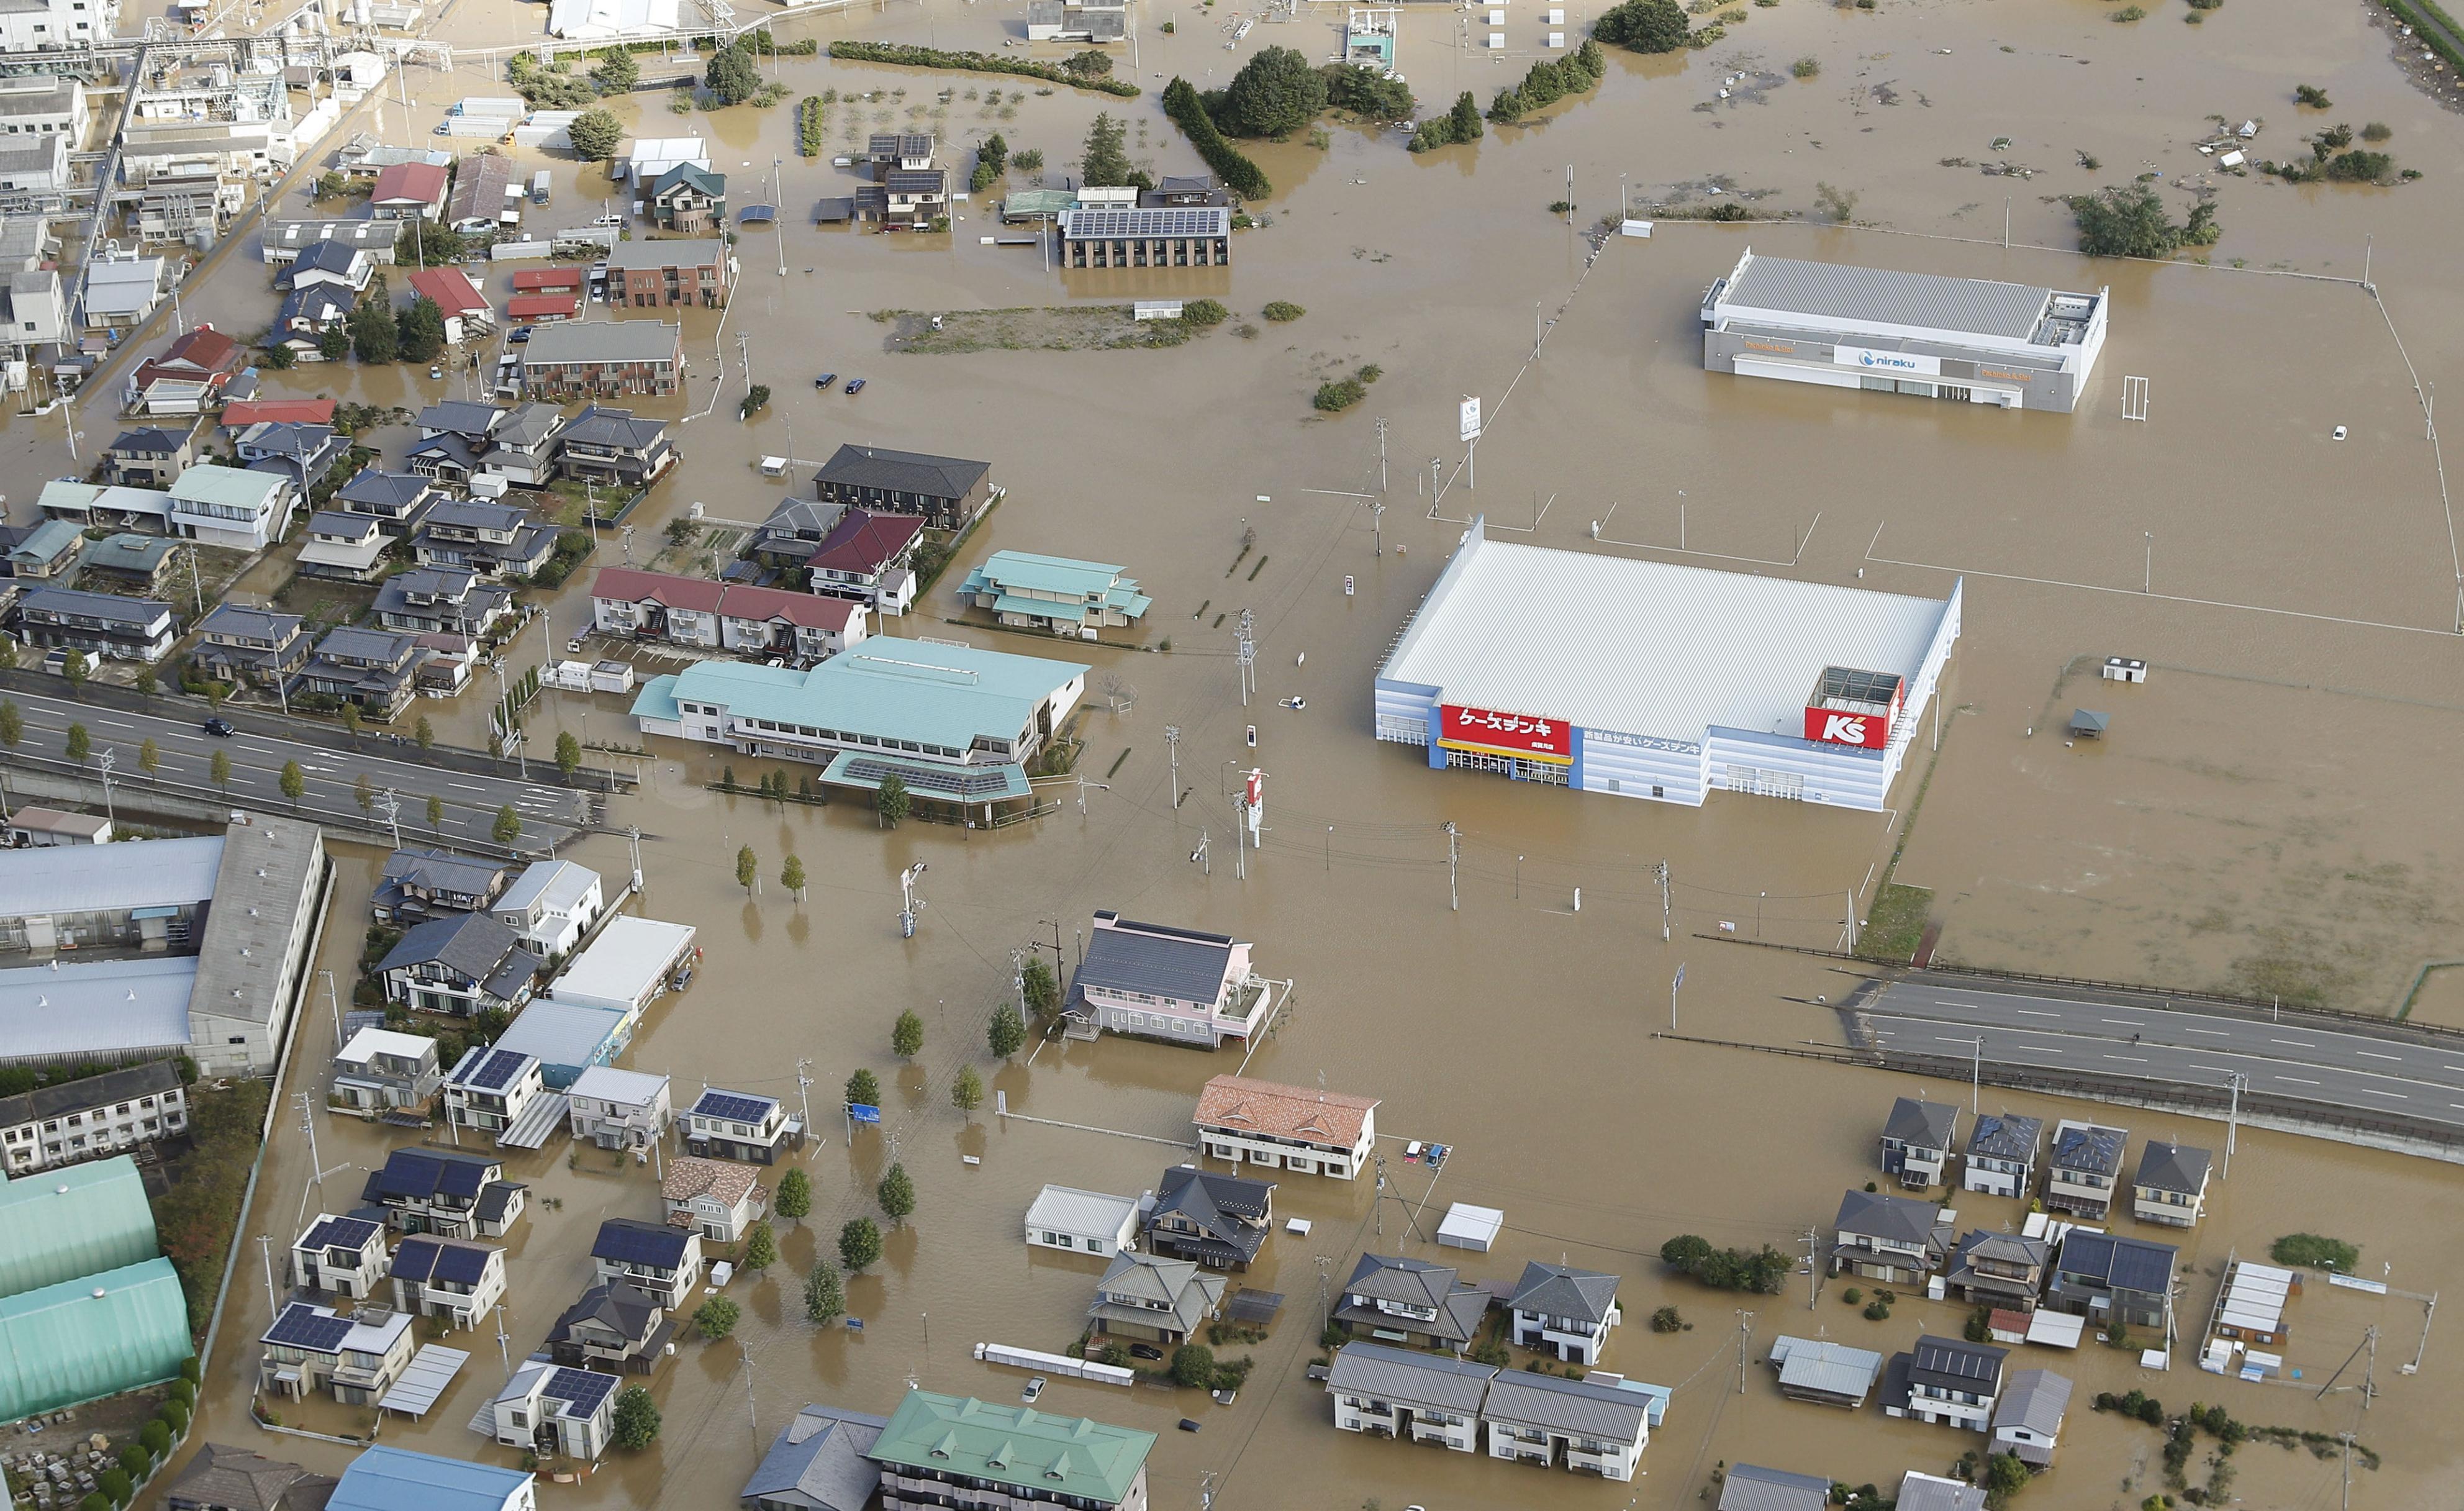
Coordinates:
[1516,1029]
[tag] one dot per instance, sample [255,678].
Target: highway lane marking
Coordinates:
[2033,1049]
[2127,1023]
[2000,1048]
[2214,1070]
[2222,1033]
[2298,1044]
[466,787]
[2135,1059]
[2371,1092]
[116,723]
[2035,1012]
[2298,1080]
[2372,1055]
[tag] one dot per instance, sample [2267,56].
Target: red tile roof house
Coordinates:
[548,280]
[241,413]
[541,309]
[865,556]
[695,612]
[465,308]
[188,376]
[407,189]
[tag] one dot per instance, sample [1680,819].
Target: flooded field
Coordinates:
[2228,534]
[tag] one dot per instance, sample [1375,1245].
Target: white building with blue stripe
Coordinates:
[1648,680]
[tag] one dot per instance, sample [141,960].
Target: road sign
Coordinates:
[1470,419]
[858,1112]
[1680,981]
[1347,585]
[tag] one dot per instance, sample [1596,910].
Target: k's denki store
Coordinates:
[1646,679]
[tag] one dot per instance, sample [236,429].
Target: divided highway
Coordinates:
[2348,1067]
[471,801]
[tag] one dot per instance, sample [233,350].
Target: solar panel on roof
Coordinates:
[415,1258]
[463,1266]
[580,1388]
[622,1242]
[460,1179]
[306,1327]
[340,1232]
[733,1106]
[953,780]
[495,1071]
[1149,222]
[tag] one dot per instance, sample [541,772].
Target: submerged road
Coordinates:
[2349,1069]
[471,801]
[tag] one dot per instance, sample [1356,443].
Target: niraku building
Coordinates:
[954,724]
[1970,340]
[1647,680]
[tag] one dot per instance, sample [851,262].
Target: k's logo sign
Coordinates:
[1844,730]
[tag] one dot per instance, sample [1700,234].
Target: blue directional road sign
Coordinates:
[858,1112]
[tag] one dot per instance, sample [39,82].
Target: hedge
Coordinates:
[975,63]
[2425,30]
[1188,112]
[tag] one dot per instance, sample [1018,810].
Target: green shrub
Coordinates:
[1193,1364]
[1240,175]
[1642,26]
[2130,12]
[1667,1321]
[2310,1251]
[1282,310]
[1205,313]
[908,57]
[2310,94]
[2359,166]
[2377,131]
[1876,1311]
[1338,395]
[1806,67]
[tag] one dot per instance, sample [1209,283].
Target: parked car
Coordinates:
[856,385]
[826,381]
[437,372]
[609,220]
[220,727]
[1145,1352]
[1034,1389]
[520,334]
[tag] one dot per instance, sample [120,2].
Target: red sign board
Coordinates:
[1528,733]
[1871,731]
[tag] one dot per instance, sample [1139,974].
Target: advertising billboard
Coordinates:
[1514,734]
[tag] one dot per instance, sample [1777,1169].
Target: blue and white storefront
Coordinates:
[1646,679]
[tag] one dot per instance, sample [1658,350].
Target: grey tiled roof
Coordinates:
[596,426]
[1751,1487]
[261,625]
[1927,1124]
[1879,1215]
[1558,1290]
[392,489]
[906,472]
[1180,964]
[2005,1136]
[1411,1376]
[817,1462]
[472,944]
[2034,1399]
[1576,1408]
[2173,1167]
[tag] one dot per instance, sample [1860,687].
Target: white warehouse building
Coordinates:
[1648,680]
[1969,340]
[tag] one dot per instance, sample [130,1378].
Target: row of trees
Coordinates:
[1549,82]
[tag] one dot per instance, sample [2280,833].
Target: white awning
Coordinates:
[431,1371]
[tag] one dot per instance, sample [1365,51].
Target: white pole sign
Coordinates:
[1470,419]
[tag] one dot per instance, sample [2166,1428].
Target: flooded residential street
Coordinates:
[2264,819]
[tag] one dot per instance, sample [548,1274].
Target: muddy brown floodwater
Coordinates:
[2265,811]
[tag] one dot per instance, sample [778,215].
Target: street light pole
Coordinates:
[107,761]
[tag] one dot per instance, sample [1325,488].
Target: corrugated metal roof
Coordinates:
[562,1036]
[1411,1376]
[1581,1408]
[88,879]
[92,1336]
[1646,648]
[624,964]
[915,690]
[1067,1209]
[62,1224]
[397,1479]
[102,1008]
[1854,296]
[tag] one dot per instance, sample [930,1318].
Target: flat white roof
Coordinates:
[1645,647]
[107,878]
[97,1008]
[1839,294]
[1066,1209]
[623,966]
[370,1042]
[1472,1227]
[632,1088]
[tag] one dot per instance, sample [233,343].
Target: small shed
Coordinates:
[1469,1226]
[1156,309]
[2124,669]
[835,210]
[2086,724]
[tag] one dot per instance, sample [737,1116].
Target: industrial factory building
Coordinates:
[1648,680]
[1967,339]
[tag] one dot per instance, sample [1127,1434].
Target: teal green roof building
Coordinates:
[1059,594]
[62,1224]
[959,1439]
[90,1337]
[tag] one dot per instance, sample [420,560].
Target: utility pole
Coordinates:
[334,1001]
[390,807]
[625,534]
[2345,1503]
[504,1345]
[1454,849]
[752,1412]
[107,761]
[1172,749]
[1852,918]
[2234,1079]
[1813,1265]
[1664,919]
[804,1090]
[513,734]
[1975,1070]
[1745,1345]
[1674,981]
[265,1247]
[308,1127]
[1245,648]
[634,835]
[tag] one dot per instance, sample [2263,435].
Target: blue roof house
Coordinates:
[397,1479]
[1055,593]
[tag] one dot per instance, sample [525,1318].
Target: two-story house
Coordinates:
[2111,1280]
[91,1118]
[152,455]
[377,671]
[887,150]
[602,358]
[356,1355]
[663,1261]
[398,502]
[863,555]
[1056,594]
[614,448]
[2002,1154]
[690,200]
[1297,1128]
[494,540]
[2083,1170]
[1153,981]
[550,905]
[442,600]
[296,455]
[788,537]
[409,191]
[467,314]
[328,263]
[44,551]
[1917,1141]
[695,612]
[739,1126]
[1945,1381]
[254,646]
[501,1094]
[1396,1392]
[521,450]
[452,1279]
[446,1192]
[1592,1426]
[816,1463]
[618,1109]
[221,1478]
[380,1069]
[343,547]
[1154,1299]
[1078,1221]
[948,1451]
[555,1412]
[944,492]
[1564,1312]
[464,964]
[1887,1238]
[307,316]
[244,508]
[1220,1221]
[103,626]
[340,1256]
[2171,1185]
[615,1326]
[909,198]
[2000,1270]
[420,883]
[653,272]
[2028,1418]
[1404,1300]
[454,435]
[718,1199]
[186,377]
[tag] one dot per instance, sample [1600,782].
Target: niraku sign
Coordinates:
[1873,360]
[1515,734]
